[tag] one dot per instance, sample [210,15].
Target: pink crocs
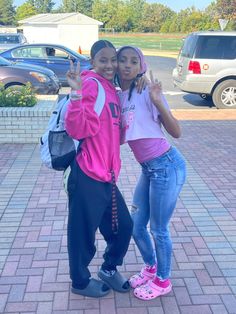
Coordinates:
[147,273]
[151,290]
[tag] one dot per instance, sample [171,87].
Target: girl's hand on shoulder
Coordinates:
[155,90]
[73,76]
[141,83]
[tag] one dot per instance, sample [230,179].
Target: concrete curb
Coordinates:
[206,114]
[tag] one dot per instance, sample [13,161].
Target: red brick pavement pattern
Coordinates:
[33,257]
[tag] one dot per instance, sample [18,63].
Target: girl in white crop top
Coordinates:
[163,172]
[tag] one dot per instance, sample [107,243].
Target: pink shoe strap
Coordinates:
[151,285]
[161,283]
[147,273]
[151,269]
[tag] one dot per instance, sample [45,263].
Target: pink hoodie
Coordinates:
[100,151]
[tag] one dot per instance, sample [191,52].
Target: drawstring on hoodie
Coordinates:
[114,213]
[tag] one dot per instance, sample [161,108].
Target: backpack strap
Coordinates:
[101,97]
[99,104]
[62,108]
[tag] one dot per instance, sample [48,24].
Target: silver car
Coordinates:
[10,40]
[206,65]
[15,75]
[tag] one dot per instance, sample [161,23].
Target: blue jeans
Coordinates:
[155,199]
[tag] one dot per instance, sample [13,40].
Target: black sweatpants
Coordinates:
[89,209]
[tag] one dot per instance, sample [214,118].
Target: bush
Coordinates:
[17,96]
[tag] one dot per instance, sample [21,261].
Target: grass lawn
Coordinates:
[147,41]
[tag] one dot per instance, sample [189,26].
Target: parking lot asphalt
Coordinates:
[33,216]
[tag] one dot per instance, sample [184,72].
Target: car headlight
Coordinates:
[40,77]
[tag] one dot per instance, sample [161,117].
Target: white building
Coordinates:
[74,30]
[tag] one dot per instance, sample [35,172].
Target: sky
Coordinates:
[176,5]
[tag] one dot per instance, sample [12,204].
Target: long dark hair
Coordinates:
[132,85]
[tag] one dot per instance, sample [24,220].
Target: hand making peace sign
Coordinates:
[155,90]
[73,76]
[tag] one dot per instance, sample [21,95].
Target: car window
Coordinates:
[56,53]
[188,47]
[216,47]
[28,52]
[9,39]
[230,49]
[75,54]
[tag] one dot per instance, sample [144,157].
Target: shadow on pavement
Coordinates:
[197,101]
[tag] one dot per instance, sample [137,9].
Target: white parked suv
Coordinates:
[206,65]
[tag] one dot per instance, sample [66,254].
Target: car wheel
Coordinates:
[206,97]
[224,95]
[14,87]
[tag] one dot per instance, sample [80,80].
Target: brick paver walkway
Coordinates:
[33,256]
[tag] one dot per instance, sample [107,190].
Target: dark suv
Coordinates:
[206,65]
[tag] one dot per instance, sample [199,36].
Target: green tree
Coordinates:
[98,10]
[120,18]
[194,21]
[7,12]
[136,7]
[124,17]
[188,20]
[43,6]
[81,6]
[25,10]
[165,27]
[211,17]
[154,15]
[226,9]
[217,10]
[176,25]
[106,12]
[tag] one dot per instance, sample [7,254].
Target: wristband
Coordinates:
[75,94]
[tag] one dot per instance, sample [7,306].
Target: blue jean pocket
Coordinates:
[181,174]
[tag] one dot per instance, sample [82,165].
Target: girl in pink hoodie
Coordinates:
[94,199]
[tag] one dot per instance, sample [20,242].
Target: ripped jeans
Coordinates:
[155,199]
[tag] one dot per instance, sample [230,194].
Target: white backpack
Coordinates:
[57,148]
